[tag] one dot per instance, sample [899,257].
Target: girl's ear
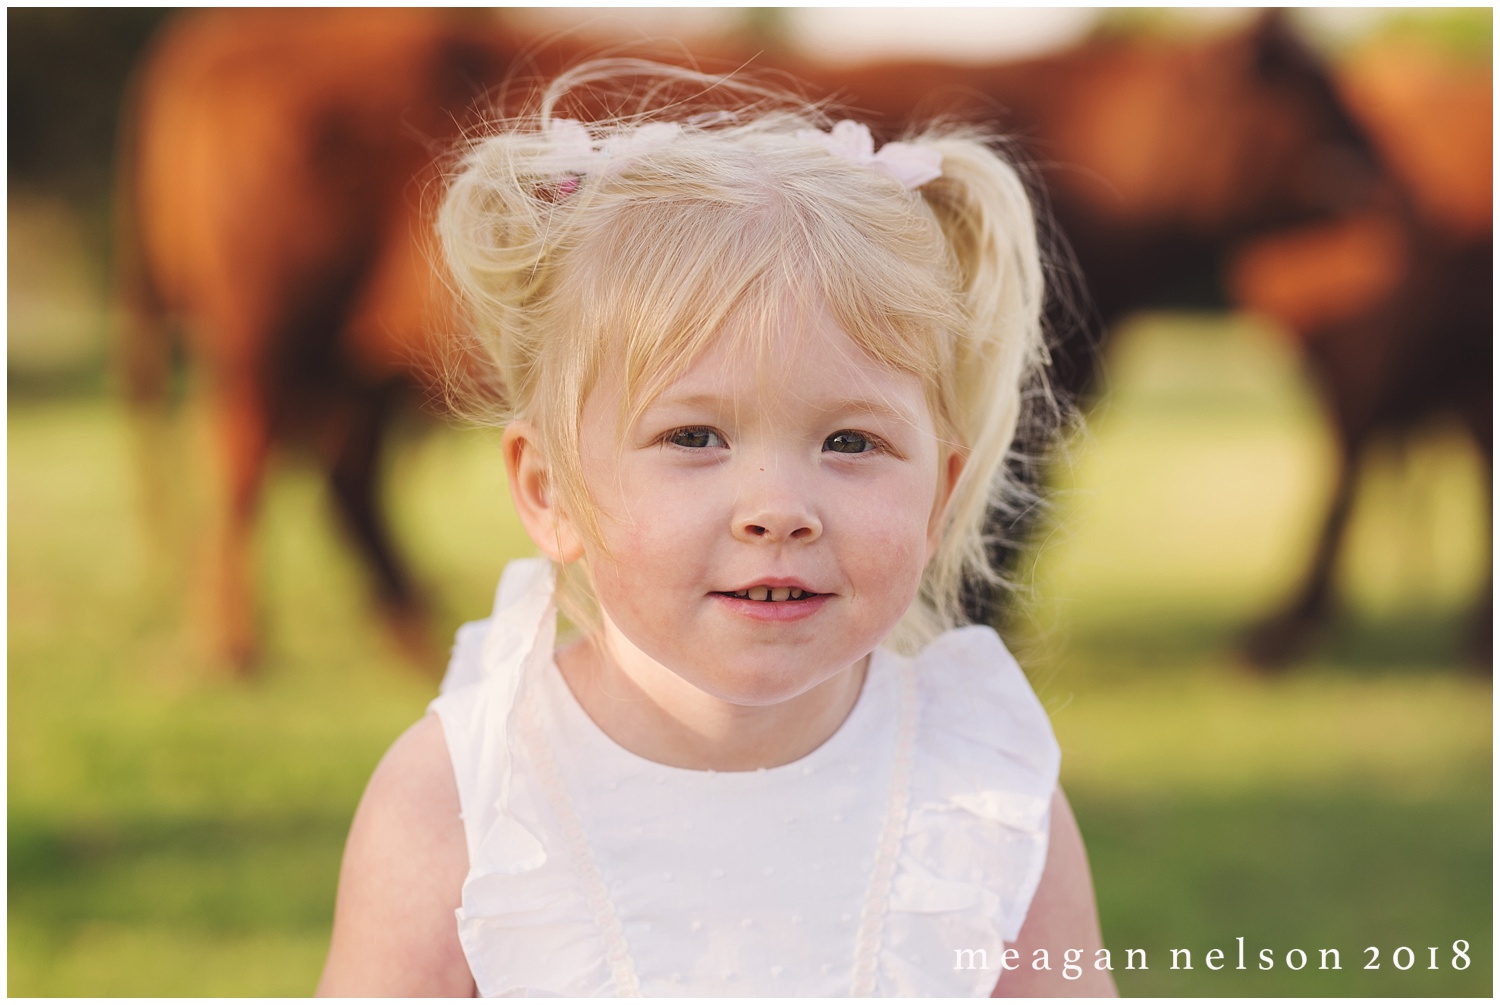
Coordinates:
[530,477]
[949,471]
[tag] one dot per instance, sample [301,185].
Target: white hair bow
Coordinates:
[575,151]
[911,164]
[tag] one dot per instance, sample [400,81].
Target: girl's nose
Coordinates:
[776,527]
[770,526]
[776,514]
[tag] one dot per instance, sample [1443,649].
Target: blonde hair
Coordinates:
[668,235]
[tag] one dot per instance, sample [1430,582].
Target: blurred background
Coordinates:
[1257,605]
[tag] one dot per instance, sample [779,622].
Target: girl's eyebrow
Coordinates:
[704,401]
[876,407]
[719,404]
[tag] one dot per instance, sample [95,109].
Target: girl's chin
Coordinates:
[769,684]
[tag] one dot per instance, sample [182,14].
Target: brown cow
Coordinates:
[273,176]
[1392,306]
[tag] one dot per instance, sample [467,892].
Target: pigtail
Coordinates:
[513,209]
[985,213]
[499,224]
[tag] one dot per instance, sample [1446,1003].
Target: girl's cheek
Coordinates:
[890,547]
[896,512]
[897,534]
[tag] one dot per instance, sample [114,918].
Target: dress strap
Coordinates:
[596,892]
[872,921]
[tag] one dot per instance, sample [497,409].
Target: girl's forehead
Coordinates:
[802,357]
[806,343]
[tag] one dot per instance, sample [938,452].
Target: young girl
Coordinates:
[758,381]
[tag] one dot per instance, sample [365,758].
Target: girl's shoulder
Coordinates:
[416,775]
[403,870]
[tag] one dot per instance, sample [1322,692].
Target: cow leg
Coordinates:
[1277,640]
[1479,640]
[245,441]
[353,475]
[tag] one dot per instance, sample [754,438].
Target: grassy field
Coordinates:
[175,832]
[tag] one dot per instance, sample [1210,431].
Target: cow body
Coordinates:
[1391,305]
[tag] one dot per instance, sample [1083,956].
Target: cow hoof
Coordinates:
[243,658]
[1273,645]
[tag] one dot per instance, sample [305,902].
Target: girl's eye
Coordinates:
[847,441]
[695,438]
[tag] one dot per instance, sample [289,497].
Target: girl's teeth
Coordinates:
[766,593]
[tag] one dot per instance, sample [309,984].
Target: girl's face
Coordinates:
[766,527]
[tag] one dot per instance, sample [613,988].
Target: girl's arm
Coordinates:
[1062,917]
[394,933]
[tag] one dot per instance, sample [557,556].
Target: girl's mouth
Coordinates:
[770,594]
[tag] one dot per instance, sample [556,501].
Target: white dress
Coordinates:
[872,866]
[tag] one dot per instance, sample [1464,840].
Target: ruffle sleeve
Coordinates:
[977,825]
[509,900]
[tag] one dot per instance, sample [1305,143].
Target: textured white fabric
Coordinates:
[596,872]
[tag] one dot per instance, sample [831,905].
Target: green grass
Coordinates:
[173,831]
